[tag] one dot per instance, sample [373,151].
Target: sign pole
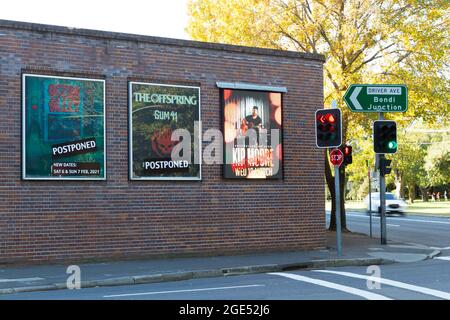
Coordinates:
[338,201]
[338,211]
[382,195]
[370,198]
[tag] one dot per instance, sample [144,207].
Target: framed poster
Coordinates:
[252,127]
[63,128]
[156,113]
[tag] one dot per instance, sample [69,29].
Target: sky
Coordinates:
[163,18]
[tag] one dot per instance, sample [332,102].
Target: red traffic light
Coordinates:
[347,150]
[326,118]
[330,118]
[328,128]
[348,159]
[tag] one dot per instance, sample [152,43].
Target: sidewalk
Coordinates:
[357,250]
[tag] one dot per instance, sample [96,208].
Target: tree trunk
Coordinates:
[412,192]
[330,183]
[402,189]
[342,197]
[398,184]
[424,192]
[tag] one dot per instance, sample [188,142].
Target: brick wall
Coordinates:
[43,221]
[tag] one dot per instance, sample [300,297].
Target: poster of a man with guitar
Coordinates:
[251,146]
[252,121]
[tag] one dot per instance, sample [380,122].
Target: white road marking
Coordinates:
[362,293]
[20,280]
[403,246]
[443,258]
[438,248]
[398,284]
[178,291]
[416,246]
[392,225]
[399,219]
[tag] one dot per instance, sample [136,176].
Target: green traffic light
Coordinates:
[392,145]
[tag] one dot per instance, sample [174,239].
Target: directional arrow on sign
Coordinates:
[354,98]
[377,98]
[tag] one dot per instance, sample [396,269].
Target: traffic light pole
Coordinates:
[382,195]
[337,193]
[370,198]
[338,211]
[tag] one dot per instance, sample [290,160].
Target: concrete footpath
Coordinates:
[358,250]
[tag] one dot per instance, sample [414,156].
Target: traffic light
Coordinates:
[385,136]
[348,159]
[384,166]
[328,128]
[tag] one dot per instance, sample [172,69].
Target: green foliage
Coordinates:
[372,41]
[367,41]
[437,164]
[409,160]
[357,172]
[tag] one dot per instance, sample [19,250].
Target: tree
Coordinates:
[437,164]
[423,159]
[408,164]
[358,170]
[365,41]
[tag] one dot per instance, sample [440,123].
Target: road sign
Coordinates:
[336,157]
[377,98]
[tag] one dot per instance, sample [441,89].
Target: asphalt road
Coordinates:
[425,230]
[421,280]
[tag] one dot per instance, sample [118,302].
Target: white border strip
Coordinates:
[249,86]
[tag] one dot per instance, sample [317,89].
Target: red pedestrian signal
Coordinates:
[348,159]
[328,128]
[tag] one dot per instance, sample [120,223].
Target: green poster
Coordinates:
[63,128]
[157,113]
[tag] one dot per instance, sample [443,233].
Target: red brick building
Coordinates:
[121,218]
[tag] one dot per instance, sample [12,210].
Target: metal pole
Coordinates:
[338,211]
[338,201]
[382,195]
[370,199]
